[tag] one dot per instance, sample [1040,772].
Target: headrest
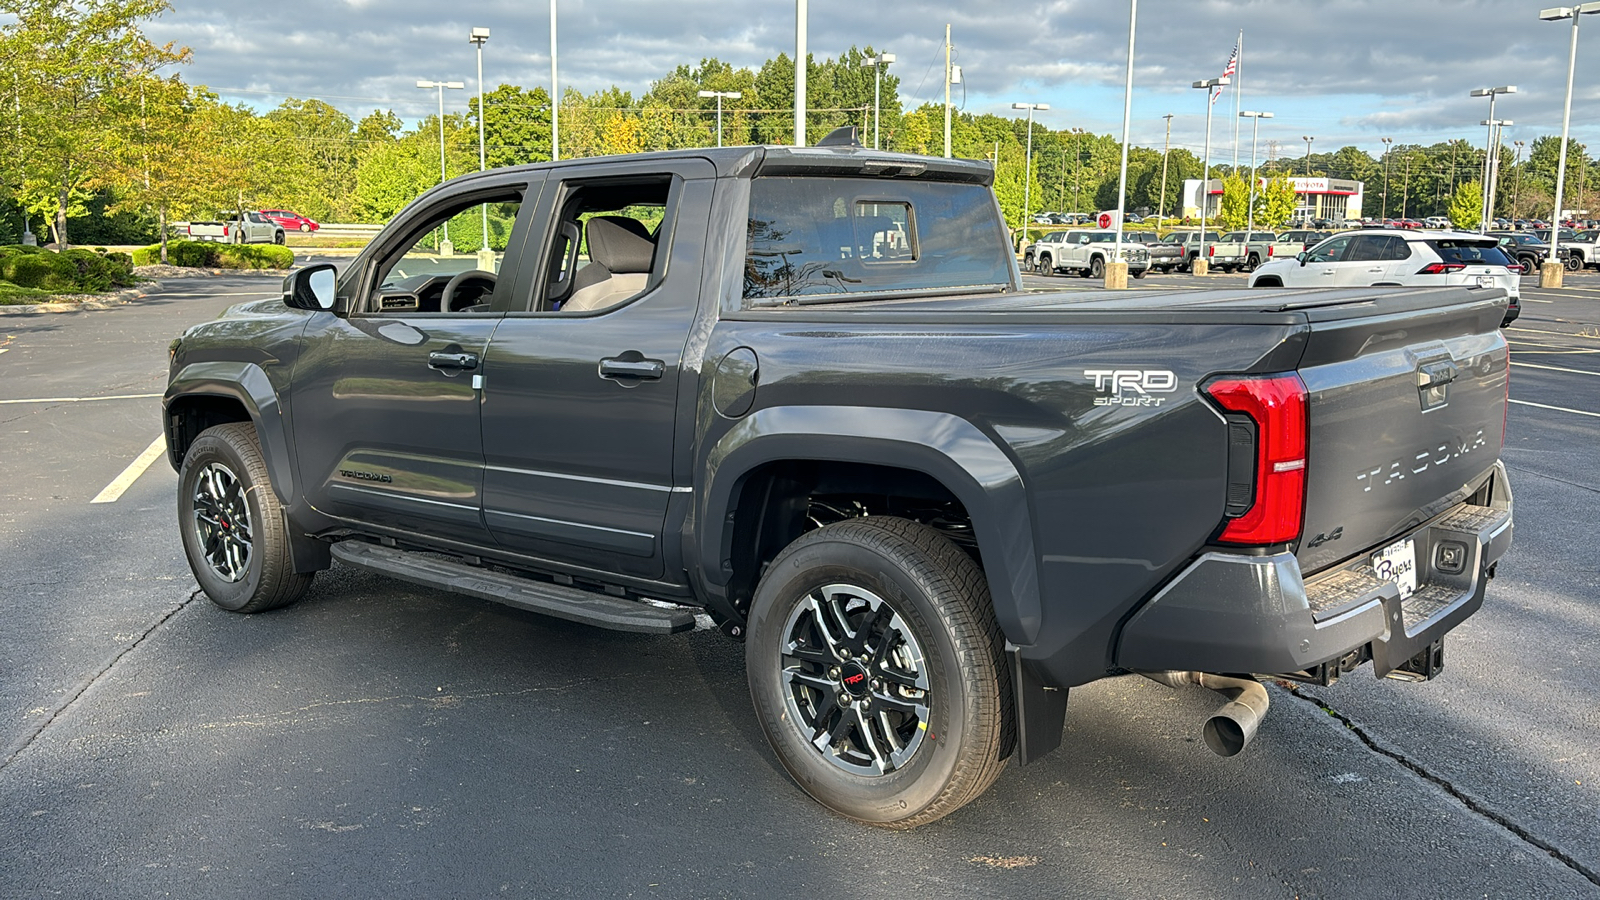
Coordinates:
[621,244]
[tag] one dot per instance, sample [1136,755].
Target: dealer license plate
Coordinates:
[1485,281]
[1398,563]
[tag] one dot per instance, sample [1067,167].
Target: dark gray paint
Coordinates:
[1083,511]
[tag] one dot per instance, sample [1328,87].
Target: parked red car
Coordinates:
[290,220]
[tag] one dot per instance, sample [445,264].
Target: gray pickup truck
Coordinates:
[802,392]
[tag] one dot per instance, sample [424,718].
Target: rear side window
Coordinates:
[819,236]
[1472,252]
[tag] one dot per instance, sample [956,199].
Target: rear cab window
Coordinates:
[827,238]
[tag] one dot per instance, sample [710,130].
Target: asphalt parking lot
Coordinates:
[377,740]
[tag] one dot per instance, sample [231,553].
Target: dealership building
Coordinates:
[1317,198]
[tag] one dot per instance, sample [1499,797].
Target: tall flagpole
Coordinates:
[1238,82]
[800,67]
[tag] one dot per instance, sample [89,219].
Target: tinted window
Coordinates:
[818,236]
[1329,251]
[1378,247]
[1475,252]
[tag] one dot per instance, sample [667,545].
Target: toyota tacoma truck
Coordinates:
[801,391]
[253,228]
[1221,255]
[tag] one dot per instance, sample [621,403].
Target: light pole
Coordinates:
[721,95]
[1308,139]
[800,73]
[1027,159]
[1487,208]
[1205,172]
[878,63]
[1405,187]
[441,85]
[1556,14]
[1495,128]
[1516,189]
[1119,265]
[1255,128]
[555,92]
[478,37]
[1388,144]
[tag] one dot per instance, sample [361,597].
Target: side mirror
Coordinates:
[310,288]
[1301,256]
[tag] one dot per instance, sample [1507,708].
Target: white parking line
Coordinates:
[1576,412]
[1556,369]
[131,474]
[82,399]
[5,349]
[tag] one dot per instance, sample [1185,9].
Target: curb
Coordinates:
[120,298]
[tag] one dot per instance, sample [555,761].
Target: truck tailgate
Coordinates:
[1406,419]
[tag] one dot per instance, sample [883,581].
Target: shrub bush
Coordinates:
[204,254]
[74,271]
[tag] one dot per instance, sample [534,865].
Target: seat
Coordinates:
[621,254]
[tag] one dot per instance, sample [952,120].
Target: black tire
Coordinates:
[1138,273]
[277,238]
[1046,266]
[1251,263]
[262,577]
[1097,268]
[956,742]
[1574,263]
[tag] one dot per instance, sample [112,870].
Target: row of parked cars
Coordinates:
[1085,251]
[267,226]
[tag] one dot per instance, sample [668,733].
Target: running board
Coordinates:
[560,601]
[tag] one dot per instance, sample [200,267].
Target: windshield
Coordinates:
[809,236]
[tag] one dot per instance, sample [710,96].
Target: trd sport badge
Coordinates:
[1131,387]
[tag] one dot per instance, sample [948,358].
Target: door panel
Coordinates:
[385,437]
[577,424]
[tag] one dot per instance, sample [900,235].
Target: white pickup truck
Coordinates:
[1086,252]
[1222,256]
[254,229]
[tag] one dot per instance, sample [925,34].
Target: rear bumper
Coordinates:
[1234,613]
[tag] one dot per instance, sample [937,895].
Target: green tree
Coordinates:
[1466,206]
[1276,202]
[1233,212]
[74,63]
[516,127]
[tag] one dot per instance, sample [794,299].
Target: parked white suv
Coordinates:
[1409,258]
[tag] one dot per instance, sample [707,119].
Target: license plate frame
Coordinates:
[1485,281]
[1398,563]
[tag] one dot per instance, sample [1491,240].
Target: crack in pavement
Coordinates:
[1467,800]
[84,687]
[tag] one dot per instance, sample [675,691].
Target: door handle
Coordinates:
[1327,271]
[622,369]
[1379,269]
[438,360]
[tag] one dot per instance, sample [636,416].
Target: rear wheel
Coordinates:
[304,227]
[878,671]
[1251,264]
[232,524]
[277,238]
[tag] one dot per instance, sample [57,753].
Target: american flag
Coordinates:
[1227,72]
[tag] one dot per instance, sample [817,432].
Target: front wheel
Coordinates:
[232,525]
[1097,268]
[1138,273]
[878,671]
[1574,264]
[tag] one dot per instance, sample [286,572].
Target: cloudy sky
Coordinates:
[1344,71]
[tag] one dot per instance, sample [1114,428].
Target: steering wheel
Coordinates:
[447,299]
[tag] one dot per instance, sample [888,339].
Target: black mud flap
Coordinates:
[1041,710]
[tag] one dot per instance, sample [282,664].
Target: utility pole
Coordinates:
[1516,188]
[1405,186]
[947,96]
[1388,143]
[1166,147]
[799,73]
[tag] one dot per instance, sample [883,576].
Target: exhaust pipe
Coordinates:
[1230,729]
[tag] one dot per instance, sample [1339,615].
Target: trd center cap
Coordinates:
[854,678]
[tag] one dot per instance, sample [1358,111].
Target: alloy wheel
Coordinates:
[856,679]
[222,522]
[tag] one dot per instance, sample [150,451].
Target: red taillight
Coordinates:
[1277,405]
[1441,268]
[1270,249]
[1514,268]
[1211,250]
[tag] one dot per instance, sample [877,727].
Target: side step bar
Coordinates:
[572,604]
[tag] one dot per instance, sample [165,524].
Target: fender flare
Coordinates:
[247,383]
[943,446]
